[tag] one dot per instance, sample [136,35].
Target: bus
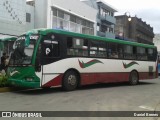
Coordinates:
[55,58]
[6,44]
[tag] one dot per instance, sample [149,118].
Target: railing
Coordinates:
[106,34]
[108,18]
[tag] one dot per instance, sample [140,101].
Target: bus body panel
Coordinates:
[97,70]
[23,77]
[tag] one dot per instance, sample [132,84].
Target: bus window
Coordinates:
[94,48]
[112,50]
[102,52]
[120,51]
[77,47]
[50,50]
[98,49]
[22,54]
[141,53]
[150,54]
[128,52]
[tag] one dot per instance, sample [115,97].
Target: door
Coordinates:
[49,54]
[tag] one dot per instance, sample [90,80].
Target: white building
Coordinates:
[13,17]
[16,17]
[73,16]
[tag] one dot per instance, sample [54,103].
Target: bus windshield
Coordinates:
[23,51]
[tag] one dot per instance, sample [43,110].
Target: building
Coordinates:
[156,41]
[133,30]
[105,18]
[19,16]
[88,17]
[74,16]
[15,18]
[13,14]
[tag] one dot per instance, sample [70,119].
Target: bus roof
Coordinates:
[44,31]
[8,39]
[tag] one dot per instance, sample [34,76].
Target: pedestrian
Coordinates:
[3,59]
[6,62]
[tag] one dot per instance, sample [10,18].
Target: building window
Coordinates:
[28,17]
[112,14]
[66,17]
[67,21]
[78,20]
[54,25]
[84,22]
[60,14]
[62,24]
[54,11]
[73,18]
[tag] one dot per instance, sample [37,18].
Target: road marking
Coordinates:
[146,107]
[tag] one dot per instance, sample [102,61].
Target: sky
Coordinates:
[147,10]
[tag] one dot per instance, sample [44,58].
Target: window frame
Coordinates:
[28,17]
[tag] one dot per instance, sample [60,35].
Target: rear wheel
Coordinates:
[133,78]
[70,81]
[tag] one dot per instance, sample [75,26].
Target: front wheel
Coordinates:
[133,78]
[70,81]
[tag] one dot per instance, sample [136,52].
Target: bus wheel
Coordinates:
[70,81]
[133,78]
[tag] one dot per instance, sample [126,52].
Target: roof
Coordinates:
[46,31]
[107,5]
[9,39]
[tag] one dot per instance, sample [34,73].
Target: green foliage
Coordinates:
[3,81]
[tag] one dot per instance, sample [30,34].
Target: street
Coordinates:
[101,97]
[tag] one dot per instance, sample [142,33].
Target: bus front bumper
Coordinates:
[23,83]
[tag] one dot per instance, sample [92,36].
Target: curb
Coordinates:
[9,89]
[5,89]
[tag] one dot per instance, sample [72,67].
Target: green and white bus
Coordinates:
[49,58]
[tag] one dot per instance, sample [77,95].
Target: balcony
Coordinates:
[106,34]
[108,19]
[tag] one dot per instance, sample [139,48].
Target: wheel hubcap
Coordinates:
[72,80]
[134,78]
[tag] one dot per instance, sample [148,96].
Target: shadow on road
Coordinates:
[86,87]
[109,85]
[39,91]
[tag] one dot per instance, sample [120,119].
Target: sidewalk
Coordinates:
[10,89]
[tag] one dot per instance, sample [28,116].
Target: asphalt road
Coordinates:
[101,97]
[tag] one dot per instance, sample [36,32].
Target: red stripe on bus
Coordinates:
[54,82]
[92,78]
[103,78]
